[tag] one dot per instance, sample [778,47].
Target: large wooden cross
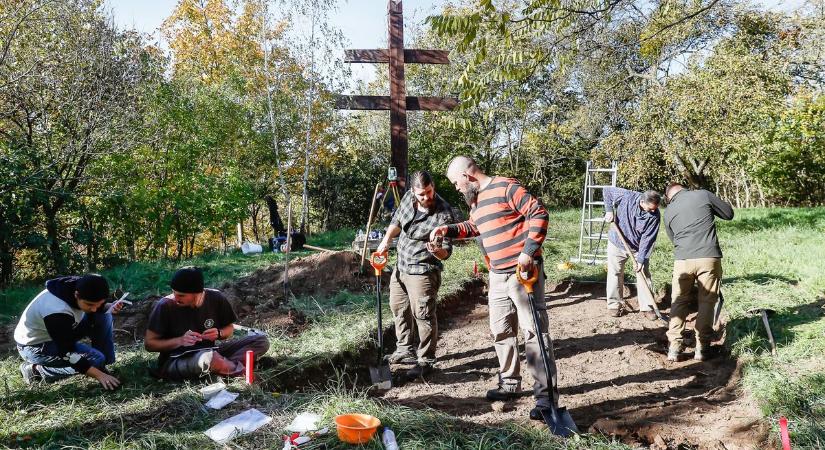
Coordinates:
[397,102]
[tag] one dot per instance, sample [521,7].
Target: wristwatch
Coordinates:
[219,333]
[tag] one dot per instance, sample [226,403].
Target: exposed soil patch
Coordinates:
[613,377]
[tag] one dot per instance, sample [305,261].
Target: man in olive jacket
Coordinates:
[690,224]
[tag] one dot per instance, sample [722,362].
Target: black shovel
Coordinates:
[380,374]
[557,419]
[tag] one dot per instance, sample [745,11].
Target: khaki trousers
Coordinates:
[509,311]
[412,301]
[707,274]
[616,259]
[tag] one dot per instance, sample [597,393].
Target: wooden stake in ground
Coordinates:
[369,224]
[288,246]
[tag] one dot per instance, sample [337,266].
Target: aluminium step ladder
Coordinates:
[593,234]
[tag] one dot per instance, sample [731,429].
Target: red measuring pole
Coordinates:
[250,366]
[786,437]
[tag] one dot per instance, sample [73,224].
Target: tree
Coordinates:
[68,83]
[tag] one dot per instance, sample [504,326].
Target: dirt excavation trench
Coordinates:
[613,377]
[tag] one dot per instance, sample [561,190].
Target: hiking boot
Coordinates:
[673,353]
[617,312]
[702,353]
[541,404]
[503,393]
[402,358]
[419,370]
[30,373]
[650,315]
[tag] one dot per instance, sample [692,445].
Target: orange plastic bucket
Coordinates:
[356,428]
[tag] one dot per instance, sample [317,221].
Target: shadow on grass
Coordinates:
[760,278]
[133,373]
[782,323]
[780,218]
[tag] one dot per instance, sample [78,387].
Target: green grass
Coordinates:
[773,258]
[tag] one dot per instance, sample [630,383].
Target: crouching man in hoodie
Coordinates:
[49,331]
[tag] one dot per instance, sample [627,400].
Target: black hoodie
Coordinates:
[62,328]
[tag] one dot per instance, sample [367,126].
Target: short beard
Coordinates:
[470,195]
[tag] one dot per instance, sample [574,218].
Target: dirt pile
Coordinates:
[319,274]
[258,299]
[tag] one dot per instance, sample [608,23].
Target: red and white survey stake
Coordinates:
[250,366]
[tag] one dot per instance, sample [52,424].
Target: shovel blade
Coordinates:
[559,421]
[381,376]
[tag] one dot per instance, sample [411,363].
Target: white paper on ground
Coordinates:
[212,390]
[221,399]
[243,423]
[304,422]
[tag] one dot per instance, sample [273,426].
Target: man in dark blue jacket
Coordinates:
[52,325]
[636,214]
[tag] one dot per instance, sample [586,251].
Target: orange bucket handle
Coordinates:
[378,261]
[529,281]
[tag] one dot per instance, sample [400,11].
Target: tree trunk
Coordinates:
[130,244]
[255,210]
[6,263]
[52,235]
[310,117]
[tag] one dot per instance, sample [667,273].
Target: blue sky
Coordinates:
[363,22]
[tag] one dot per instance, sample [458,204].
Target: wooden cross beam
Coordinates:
[398,103]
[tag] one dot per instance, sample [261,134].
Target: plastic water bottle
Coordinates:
[388,438]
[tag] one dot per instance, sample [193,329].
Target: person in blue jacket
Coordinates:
[636,214]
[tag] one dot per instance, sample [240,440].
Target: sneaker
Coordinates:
[402,358]
[614,312]
[30,373]
[504,392]
[419,370]
[650,315]
[673,353]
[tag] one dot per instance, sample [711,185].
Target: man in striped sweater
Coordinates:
[511,225]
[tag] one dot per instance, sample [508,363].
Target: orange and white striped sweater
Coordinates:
[508,220]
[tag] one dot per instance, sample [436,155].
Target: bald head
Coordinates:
[461,164]
[466,176]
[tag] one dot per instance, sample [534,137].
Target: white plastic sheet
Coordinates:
[238,425]
[221,399]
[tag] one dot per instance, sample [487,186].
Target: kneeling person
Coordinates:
[185,328]
[52,325]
